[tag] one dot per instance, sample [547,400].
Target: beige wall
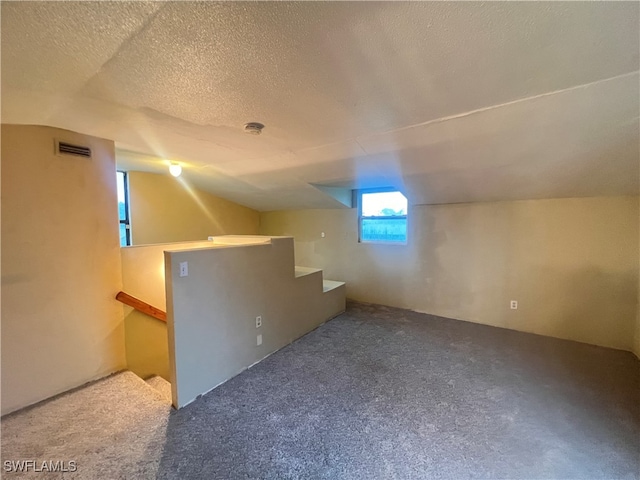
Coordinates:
[146,340]
[163,210]
[637,335]
[143,276]
[572,264]
[61,326]
[211,312]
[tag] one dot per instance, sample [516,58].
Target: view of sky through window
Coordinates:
[120,177]
[122,209]
[383,204]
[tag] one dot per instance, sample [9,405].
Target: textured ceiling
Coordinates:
[451,102]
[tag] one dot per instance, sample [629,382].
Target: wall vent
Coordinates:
[64,148]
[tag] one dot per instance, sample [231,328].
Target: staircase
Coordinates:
[232,281]
[116,427]
[161,385]
[112,428]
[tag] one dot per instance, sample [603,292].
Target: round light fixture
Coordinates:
[175,169]
[253,128]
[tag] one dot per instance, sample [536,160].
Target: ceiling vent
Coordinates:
[64,148]
[253,128]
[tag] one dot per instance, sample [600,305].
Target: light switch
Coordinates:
[184,269]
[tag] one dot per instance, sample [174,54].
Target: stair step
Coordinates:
[302,271]
[161,385]
[328,285]
[118,417]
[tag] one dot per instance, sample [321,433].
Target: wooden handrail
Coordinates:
[141,306]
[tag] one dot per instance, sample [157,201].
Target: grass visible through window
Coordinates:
[383,216]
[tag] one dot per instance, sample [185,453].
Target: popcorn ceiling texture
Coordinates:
[377,393]
[346,90]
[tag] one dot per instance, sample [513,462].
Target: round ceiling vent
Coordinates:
[253,128]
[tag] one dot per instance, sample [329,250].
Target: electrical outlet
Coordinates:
[322,234]
[258,321]
[514,304]
[184,269]
[259,340]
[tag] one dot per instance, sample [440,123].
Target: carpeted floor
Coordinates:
[161,385]
[113,428]
[383,393]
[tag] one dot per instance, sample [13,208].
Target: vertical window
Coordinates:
[123,209]
[382,216]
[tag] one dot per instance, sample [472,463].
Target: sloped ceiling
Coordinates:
[451,102]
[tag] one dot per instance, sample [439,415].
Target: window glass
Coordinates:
[123,209]
[383,216]
[123,235]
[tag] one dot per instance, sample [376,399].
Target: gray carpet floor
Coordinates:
[383,393]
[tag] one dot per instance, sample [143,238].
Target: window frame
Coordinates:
[126,222]
[358,199]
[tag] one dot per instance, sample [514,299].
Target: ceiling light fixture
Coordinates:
[253,128]
[175,169]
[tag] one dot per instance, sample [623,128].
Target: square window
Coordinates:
[382,215]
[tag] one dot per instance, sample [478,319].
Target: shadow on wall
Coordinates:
[147,345]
